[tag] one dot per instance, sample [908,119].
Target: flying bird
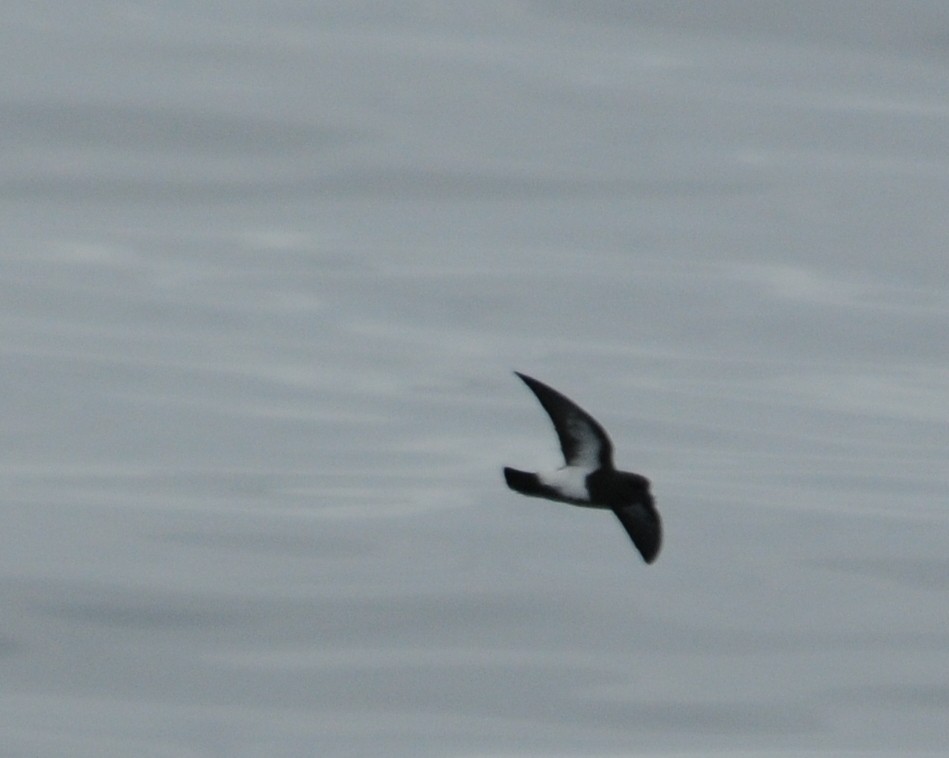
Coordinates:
[588,477]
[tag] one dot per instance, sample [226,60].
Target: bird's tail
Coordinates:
[523,482]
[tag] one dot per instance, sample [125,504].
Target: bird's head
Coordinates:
[634,488]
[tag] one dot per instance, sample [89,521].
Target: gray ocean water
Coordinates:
[265,272]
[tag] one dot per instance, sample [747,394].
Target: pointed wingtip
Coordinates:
[648,552]
[644,529]
[535,385]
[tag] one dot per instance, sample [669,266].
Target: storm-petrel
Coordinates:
[589,479]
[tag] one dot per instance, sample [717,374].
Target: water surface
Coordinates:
[264,273]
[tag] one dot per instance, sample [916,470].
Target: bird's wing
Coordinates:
[583,441]
[644,528]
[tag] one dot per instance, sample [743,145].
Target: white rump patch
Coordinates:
[569,481]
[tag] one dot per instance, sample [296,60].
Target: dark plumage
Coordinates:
[588,477]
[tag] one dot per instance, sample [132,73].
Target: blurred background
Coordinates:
[265,272]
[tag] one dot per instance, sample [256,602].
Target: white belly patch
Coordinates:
[569,481]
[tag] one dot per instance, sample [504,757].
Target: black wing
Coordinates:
[644,527]
[583,441]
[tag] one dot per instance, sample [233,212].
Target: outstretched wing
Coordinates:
[644,528]
[583,441]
